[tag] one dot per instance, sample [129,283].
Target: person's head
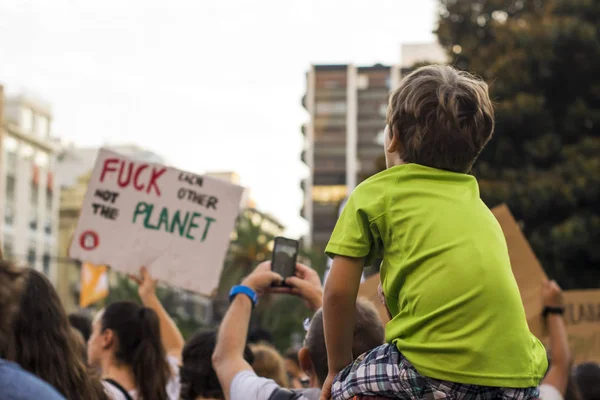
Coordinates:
[438,117]
[11,283]
[259,336]
[126,334]
[368,334]
[268,363]
[43,342]
[292,365]
[82,323]
[587,379]
[198,378]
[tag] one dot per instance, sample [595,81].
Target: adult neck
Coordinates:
[120,373]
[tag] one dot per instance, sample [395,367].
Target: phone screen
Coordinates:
[285,253]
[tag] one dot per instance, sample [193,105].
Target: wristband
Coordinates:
[552,310]
[241,289]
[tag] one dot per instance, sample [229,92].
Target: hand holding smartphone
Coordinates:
[285,254]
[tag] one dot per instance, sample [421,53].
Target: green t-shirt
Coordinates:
[446,275]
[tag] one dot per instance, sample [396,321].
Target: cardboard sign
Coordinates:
[175,223]
[582,316]
[526,268]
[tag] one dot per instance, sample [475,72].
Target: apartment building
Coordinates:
[29,195]
[347,106]
[343,137]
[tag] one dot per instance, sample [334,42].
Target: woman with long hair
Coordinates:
[198,378]
[43,343]
[137,348]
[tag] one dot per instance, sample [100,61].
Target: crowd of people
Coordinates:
[132,351]
[457,326]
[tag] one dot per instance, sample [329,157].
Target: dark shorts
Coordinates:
[385,372]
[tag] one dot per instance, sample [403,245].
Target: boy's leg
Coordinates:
[385,372]
[382,371]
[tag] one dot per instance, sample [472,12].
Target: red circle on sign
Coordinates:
[89,240]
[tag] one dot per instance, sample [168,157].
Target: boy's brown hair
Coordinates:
[441,117]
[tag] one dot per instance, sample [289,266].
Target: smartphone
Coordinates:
[285,253]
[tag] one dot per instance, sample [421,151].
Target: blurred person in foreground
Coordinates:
[44,343]
[238,380]
[16,383]
[198,378]
[587,380]
[137,348]
[268,363]
[298,378]
[82,323]
[446,273]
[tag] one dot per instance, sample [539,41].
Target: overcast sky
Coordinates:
[209,85]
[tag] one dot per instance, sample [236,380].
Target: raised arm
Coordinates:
[560,368]
[228,357]
[170,335]
[339,308]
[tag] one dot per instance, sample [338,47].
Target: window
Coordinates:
[49,194]
[41,159]
[10,144]
[10,188]
[46,263]
[31,257]
[332,194]
[9,216]
[33,224]
[27,151]
[41,126]
[8,251]
[330,107]
[362,81]
[48,227]
[34,196]
[26,120]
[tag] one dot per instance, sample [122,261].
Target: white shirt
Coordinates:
[173,386]
[246,385]
[549,392]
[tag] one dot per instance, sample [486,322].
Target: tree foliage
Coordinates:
[541,59]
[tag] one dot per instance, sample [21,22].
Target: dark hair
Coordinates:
[11,284]
[44,344]
[82,323]
[442,118]
[587,377]
[137,330]
[368,334]
[198,378]
[260,335]
[292,355]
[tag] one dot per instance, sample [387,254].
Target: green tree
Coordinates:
[541,59]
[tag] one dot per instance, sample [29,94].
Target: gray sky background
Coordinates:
[208,85]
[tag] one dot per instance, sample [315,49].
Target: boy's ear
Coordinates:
[393,146]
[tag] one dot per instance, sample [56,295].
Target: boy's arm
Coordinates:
[339,309]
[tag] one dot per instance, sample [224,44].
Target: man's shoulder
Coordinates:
[19,384]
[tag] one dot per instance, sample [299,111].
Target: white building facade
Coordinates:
[29,191]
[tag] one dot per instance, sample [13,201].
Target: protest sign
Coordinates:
[175,223]
[526,268]
[582,316]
